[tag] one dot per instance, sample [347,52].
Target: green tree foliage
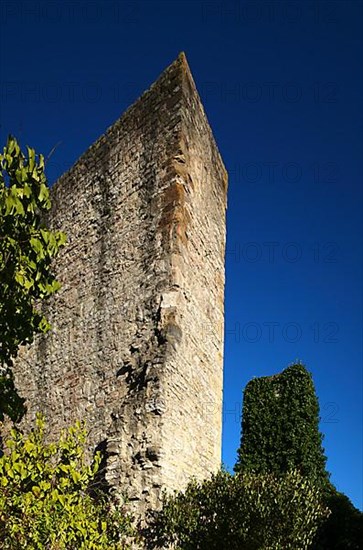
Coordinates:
[44,496]
[11,404]
[344,528]
[27,248]
[280,426]
[280,431]
[241,512]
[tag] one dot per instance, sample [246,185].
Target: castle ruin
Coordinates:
[136,347]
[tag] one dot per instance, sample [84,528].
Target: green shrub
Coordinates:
[241,512]
[344,528]
[44,496]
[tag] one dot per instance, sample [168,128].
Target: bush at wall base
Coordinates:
[240,512]
[44,496]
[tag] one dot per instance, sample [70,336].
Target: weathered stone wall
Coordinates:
[136,348]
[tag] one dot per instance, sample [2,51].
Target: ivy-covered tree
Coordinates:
[27,247]
[280,432]
[45,501]
[241,512]
[280,426]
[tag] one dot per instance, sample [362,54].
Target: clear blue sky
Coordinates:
[282,86]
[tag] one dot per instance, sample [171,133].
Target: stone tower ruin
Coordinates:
[136,347]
